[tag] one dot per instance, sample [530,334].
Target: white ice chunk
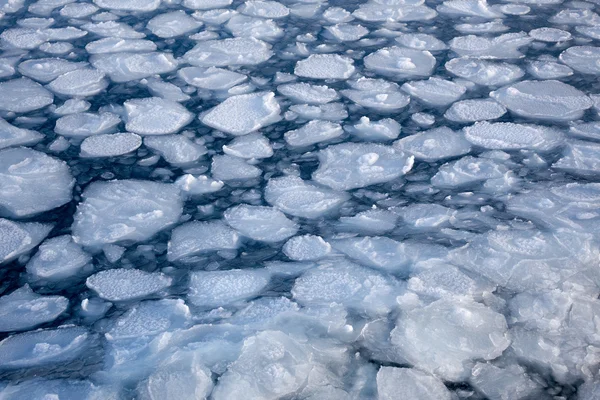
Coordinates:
[228,52]
[350,165]
[23,95]
[125,67]
[113,29]
[48,69]
[469,8]
[127,284]
[382,130]
[584,59]
[483,72]
[307,93]
[243,114]
[211,78]
[347,32]
[382,100]
[306,248]
[546,100]
[24,38]
[73,106]
[421,41]
[166,90]
[84,124]
[175,149]
[11,135]
[58,259]
[502,383]
[32,182]
[551,35]
[198,185]
[329,112]
[43,347]
[265,224]
[119,45]
[434,145]
[580,158]
[230,168]
[500,47]
[78,10]
[548,70]
[370,222]
[312,133]
[398,62]
[252,145]
[79,83]
[296,197]
[441,280]
[197,237]
[435,91]
[110,145]
[468,171]
[211,289]
[129,5]
[18,238]
[445,337]
[264,9]
[63,389]
[125,211]
[511,136]
[172,24]
[259,28]
[325,66]
[206,4]
[475,110]
[23,309]
[155,116]
[411,383]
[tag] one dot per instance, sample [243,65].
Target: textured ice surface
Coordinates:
[32,182]
[243,114]
[126,284]
[299,199]
[137,209]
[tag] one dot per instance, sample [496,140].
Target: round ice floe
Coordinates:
[391,381]
[23,95]
[325,66]
[119,45]
[57,259]
[546,100]
[370,222]
[32,182]
[79,83]
[11,136]
[328,112]
[110,145]
[18,238]
[484,72]
[253,145]
[501,47]
[381,101]
[432,337]
[468,8]
[347,32]
[198,185]
[590,31]
[78,10]
[47,69]
[129,5]
[306,248]
[265,224]
[296,197]
[421,41]
[548,70]
[124,67]
[400,62]
[211,289]
[259,28]
[127,284]
[211,78]
[87,124]
[585,59]
[175,149]
[197,237]
[240,115]
[264,9]
[475,110]
[172,24]
[484,27]
[43,347]
[24,38]
[350,165]
[125,210]
[230,168]
[382,130]
[337,15]
[312,133]
[434,145]
[226,52]
[551,35]
[113,29]
[307,93]
[468,171]
[511,136]
[23,309]
[435,91]
[155,116]
[206,4]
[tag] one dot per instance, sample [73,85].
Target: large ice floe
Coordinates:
[299,200]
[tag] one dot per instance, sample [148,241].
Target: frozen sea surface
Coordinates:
[299,199]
